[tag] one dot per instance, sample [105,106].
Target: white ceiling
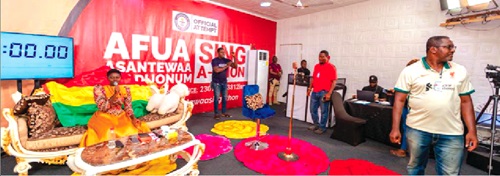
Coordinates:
[281,9]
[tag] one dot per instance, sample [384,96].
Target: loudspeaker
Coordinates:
[479,158]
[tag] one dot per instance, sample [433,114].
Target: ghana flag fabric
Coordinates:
[73,100]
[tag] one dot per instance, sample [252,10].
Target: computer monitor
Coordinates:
[366,95]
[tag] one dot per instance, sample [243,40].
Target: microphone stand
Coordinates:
[288,155]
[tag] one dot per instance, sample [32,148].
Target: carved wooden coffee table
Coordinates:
[98,158]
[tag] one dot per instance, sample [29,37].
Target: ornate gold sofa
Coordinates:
[55,146]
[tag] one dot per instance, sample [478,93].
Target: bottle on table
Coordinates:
[112,137]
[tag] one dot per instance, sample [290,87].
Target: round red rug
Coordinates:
[214,146]
[357,167]
[312,160]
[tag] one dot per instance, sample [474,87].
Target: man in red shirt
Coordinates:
[322,84]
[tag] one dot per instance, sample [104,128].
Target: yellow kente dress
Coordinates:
[111,115]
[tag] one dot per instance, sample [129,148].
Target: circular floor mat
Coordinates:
[357,167]
[238,129]
[214,146]
[312,160]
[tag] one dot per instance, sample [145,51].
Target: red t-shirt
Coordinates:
[275,68]
[323,76]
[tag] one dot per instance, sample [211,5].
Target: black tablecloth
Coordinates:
[378,120]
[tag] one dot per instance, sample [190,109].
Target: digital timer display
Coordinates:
[29,56]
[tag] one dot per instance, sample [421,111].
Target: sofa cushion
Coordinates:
[155,116]
[58,137]
[58,148]
[60,132]
[49,143]
[41,119]
[154,120]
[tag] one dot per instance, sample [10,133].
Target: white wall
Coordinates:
[380,36]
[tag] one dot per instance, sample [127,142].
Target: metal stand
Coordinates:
[257,144]
[288,155]
[20,86]
[495,98]
[486,106]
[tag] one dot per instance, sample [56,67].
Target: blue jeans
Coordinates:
[218,89]
[316,102]
[404,144]
[449,152]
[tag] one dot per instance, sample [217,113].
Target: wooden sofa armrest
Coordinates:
[186,114]
[11,138]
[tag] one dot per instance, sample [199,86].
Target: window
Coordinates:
[456,4]
[476,2]
[453,4]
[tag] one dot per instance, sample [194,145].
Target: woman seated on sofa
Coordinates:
[109,100]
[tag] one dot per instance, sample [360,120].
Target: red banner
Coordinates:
[168,42]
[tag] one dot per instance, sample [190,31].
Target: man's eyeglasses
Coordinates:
[449,47]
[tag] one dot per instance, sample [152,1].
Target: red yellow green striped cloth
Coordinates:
[75,105]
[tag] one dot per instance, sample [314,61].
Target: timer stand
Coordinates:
[20,86]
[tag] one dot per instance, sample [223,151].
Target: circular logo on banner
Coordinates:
[182,21]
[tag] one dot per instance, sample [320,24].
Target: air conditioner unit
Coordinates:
[258,70]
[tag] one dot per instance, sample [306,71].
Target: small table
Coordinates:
[99,158]
[378,119]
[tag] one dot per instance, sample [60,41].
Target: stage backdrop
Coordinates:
[165,41]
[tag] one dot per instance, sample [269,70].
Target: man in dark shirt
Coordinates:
[220,65]
[303,68]
[275,73]
[303,73]
[375,88]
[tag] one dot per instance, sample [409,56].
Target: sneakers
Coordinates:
[319,131]
[313,127]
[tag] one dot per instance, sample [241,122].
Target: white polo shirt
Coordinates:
[434,97]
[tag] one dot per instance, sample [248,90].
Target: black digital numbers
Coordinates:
[59,52]
[13,48]
[27,49]
[51,51]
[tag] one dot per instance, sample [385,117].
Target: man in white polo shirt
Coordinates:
[439,99]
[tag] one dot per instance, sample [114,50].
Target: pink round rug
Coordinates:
[312,160]
[214,146]
[357,167]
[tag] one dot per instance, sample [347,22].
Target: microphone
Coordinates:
[115,84]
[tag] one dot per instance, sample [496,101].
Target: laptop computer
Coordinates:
[366,95]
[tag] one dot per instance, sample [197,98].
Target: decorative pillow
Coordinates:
[25,102]
[21,107]
[254,102]
[38,99]
[41,118]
